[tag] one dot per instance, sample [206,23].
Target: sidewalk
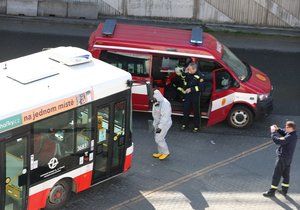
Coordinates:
[286,40]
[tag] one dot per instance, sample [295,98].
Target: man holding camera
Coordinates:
[286,139]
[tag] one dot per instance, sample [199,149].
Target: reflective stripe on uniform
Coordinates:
[196,76]
[274,187]
[284,185]
[197,88]
[180,89]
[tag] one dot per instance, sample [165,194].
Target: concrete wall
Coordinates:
[24,7]
[161,8]
[2,6]
[276,13]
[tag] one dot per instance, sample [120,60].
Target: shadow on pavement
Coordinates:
[280,203]
[292,201]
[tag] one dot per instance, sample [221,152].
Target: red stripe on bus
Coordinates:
[83,181]
[127,164]
[38,200]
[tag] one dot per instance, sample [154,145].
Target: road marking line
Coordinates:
[195,174]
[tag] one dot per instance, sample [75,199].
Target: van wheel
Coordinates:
[240,117]
[59,195]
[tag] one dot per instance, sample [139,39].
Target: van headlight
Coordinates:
[263,96]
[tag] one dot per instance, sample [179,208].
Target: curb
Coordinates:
[295,32]
[178,23]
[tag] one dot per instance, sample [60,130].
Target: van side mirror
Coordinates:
[236,84]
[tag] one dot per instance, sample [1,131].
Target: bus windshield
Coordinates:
[239,68]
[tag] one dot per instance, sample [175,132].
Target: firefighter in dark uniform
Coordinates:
[178,84]
[193,79]
[286,139]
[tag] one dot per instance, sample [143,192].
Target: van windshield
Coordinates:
[235,64]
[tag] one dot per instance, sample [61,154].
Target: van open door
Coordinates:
[222,98]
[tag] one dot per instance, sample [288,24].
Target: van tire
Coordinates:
[240,117]
[62,189]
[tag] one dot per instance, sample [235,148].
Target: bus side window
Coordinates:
[84,127]
[119,131]
[54,137]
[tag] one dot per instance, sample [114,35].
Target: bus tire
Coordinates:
[59,195]
[240,117]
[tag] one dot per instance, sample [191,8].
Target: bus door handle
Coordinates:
[99,149]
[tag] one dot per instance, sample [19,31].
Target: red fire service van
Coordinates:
[232,89]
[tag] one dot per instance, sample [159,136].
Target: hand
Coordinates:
[272,129]
[188,90]
[158,130]
[201,80]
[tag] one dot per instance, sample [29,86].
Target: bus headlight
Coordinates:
[263,96]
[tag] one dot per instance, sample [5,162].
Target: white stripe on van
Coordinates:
[154,51]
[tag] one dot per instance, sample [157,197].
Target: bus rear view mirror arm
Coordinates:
[129,83]
[149,91]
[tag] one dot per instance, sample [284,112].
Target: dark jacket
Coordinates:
[179,83]
[287,146]
[194,81]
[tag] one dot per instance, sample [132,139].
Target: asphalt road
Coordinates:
[218,168]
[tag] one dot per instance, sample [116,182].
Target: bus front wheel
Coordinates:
[240,117]
[59,195]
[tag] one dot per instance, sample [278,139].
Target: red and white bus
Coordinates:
[232,89]
[65,121]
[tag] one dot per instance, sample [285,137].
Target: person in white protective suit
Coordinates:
[162,122]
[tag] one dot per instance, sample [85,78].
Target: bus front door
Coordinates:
[110,140]
[14,157]
[102,143]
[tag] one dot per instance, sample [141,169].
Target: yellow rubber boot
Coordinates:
[163,156]
[156,155]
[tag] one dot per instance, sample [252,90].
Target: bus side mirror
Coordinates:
[129,83]
[149,92]
[236,84]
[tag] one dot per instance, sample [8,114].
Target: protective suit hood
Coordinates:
[158,96]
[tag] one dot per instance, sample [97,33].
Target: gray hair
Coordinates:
[291,124]
[193,65]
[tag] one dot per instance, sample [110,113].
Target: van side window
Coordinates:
[136,64]
[206,67]
[223,80]
[170,63]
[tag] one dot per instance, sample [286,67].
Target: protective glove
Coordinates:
[158,130]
